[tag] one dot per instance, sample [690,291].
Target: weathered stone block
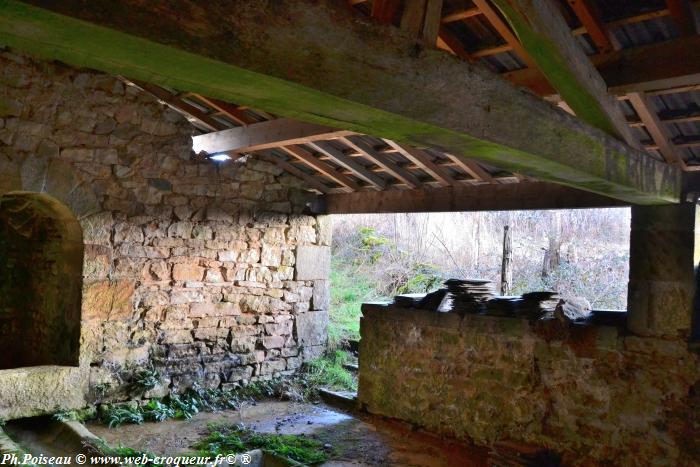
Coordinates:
[313,262]
[188,272]
[312,328]
[273,342]
[321,298]
[271,256]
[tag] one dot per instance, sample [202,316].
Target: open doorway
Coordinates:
[40,281]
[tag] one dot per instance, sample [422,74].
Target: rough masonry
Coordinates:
[597,395]
[209,273]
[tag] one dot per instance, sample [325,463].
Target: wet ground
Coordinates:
[355,440]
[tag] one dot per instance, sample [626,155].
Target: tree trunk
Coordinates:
[552,255]
[507,262]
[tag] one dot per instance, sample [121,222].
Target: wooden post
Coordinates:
[507,262]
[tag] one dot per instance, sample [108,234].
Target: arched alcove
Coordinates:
[41,248]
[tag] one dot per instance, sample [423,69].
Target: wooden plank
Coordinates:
[453,44]
[461,15]
[382,161]
[363,77]
[230,110]
[264,135]
[421,19]
[505,31]
[682,13]
[384,11]
[413,17]
[346,161]
[471,167]
[431,22]
[492,197]
[311,181]
[327,170]
[656,129]
[423,160]
[177,103]
[589,16]
[648,68]
[546,36]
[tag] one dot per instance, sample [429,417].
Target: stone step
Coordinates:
[344,400]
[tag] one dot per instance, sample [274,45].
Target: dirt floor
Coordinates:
[365,441]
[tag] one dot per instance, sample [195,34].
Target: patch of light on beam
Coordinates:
[221,157]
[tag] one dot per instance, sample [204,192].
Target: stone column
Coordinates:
[662,260]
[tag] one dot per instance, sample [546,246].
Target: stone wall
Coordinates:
[190,266]
[595,394]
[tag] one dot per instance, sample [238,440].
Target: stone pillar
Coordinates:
[662,260]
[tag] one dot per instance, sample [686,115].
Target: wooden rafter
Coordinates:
[656,129]
[425,162]
[178,104]
[345,161]
[264,135]
[587,13]
[311,181]
[471,167]
[547,37]
[461,15]
[671,66]
[504,30]
[230,110]
[682,13]
[384,11]
[382,161]
[325,169]
[540,143]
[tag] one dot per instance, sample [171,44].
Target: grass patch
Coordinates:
[349,290]
[234,439]
[328,372]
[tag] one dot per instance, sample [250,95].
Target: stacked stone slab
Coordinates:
[208,272]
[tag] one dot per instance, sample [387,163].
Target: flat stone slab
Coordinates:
[313,262]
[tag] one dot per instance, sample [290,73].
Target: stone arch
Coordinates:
[41,244]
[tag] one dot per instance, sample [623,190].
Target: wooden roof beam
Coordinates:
[423,161]
[382,161]
[656,129]
[649,68]
[588,14]
[682,13]
[546,36]
[310,180]
[363,77]
[264,135]
[504,30]
[349,163]
[491,197]
[178,104]
[320,166]
[461,15]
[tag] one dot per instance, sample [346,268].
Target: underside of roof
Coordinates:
[665,120]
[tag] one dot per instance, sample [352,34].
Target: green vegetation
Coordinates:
[115,415]
[233,439]
[326,371]
[144,379]
[348,291]
[79,415]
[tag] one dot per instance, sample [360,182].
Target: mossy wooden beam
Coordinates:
[318,61]
[489,197]
[546,37]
